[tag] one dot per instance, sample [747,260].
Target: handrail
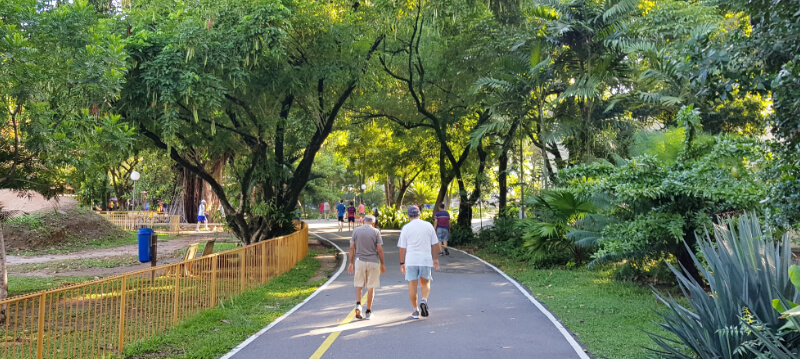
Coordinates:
[99,317]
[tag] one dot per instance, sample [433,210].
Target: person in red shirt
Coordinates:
[321,209]
[351,217]
[442,229]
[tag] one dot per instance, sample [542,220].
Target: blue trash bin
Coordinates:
[144,244]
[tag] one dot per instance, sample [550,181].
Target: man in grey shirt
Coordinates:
[366,261]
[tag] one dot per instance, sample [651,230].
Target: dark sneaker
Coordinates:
[423,307]
[446,252]
[415,314]
[358,311]
[441,254]
[368,315]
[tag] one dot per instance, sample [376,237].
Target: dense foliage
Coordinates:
[605,132]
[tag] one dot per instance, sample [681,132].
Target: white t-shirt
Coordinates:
[202,210]
[326,206]
[417,237]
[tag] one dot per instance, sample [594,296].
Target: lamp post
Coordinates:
[363,188]
[135,177]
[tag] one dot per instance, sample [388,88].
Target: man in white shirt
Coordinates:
[327,208]
[201,215]
[418,256]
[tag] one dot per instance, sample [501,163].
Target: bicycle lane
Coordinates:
[475,312]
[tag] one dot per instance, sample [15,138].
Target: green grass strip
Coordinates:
[608,316]
[216,331]
[19,285]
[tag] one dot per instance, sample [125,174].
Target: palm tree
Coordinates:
[558,214]
[582,32]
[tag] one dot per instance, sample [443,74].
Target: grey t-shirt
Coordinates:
[367,239]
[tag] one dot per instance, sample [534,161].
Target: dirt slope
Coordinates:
[31,202]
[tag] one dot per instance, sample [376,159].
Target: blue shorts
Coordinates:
[415,272]
[201,218]
[443,234]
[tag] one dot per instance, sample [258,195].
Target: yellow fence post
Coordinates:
[40,342]
[122,304]
[177,293]
[213,280]
[263,245]
[241,268]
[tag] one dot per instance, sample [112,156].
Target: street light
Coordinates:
[135,177]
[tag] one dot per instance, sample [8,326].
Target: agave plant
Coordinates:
[745,270]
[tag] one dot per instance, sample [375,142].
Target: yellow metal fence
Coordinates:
[98,318]
[136,219]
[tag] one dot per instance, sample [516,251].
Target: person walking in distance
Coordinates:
[321,209]
[366,262]
[351,217]
[418,256]
[361,212]
[442,220]
[201,215]
[327,208]
[340,209]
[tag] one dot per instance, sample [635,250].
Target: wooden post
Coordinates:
[213,280]
[241,268]
[264,262]
[122,314]
[154,249]
[40,341]
[177,293]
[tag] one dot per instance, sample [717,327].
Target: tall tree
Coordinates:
[437,75]
[259,84]
[61,65]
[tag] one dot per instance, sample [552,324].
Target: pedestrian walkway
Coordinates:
[475,312]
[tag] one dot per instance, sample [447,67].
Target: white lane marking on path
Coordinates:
[564,332]
[296,307]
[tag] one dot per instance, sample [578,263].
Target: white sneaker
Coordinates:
[358,311]
[415,314]
[368,315]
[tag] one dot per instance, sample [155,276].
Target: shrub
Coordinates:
[460,236]
[546,236]
[745,271]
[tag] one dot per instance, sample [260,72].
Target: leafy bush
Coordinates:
[745,271]
[31,222]
[653,272]
[393,218]
[546,236]
[460,236]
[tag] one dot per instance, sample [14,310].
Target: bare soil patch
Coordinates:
[60,230]
[31,202]
[329,261]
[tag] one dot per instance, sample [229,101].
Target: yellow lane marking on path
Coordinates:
[332,337]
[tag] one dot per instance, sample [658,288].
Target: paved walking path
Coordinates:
[475,312]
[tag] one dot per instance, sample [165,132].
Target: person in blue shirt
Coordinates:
[340,208]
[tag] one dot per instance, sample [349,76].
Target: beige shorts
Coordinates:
[367,274]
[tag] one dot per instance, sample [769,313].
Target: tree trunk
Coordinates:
[464,206]
[388,192]
[3,276]
[502,181]
[401,192]
[192,194]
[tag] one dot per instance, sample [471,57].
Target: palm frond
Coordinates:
[489,83]
[622,7]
